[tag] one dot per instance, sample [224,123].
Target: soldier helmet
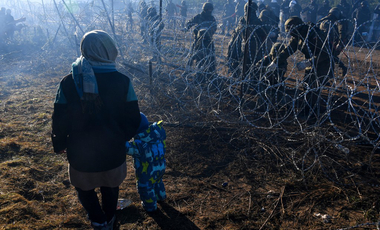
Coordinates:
[183,2]
[208,6]
[253,7]
[292,22]
[336,12]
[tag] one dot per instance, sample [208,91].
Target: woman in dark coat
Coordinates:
[95,113]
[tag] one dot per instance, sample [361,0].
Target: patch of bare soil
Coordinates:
[218,177]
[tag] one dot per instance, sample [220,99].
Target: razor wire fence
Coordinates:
[188,86]
[343,119]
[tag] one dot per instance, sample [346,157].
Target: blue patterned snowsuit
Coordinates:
[148,150]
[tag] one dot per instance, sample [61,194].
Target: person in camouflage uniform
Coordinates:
[337,30]
[270,24]
[183,12]
[171,10]
[154,25]
[129,11]
[11,24]
[310,40]
[228,16]
[362,14]
[248,38]
[204,55]
[205,20]
[284,14]
[275,77]
[143,12]
[148,152]
[239,10]
[318,63]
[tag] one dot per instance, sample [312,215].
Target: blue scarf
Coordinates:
[84,76]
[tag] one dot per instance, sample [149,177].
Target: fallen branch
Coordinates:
[277,201]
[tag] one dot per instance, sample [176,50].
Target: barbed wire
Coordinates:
[312,117]
[344,113]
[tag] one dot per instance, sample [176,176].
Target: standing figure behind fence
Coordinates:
[143,12]
[239,11]
[278,75]
[171,10]
[284,15]
[374,32]
[204,20]
[228,17]
[362,14]
[248,37]
[338,34]
[270,24]
[129,11]
[148,152]
[11,25]
[275,87]
[183,12]
[203,56]
[318,63]
[155,26]
[2,24]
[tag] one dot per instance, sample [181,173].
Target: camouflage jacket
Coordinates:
[148,146]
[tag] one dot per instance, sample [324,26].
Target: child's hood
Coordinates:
[154,133]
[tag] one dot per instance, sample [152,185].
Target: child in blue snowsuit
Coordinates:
[148,150]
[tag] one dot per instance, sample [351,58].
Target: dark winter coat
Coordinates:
[203,20]
[252,37]
[311,42]
[362,14]
[95,142]
[337,30]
